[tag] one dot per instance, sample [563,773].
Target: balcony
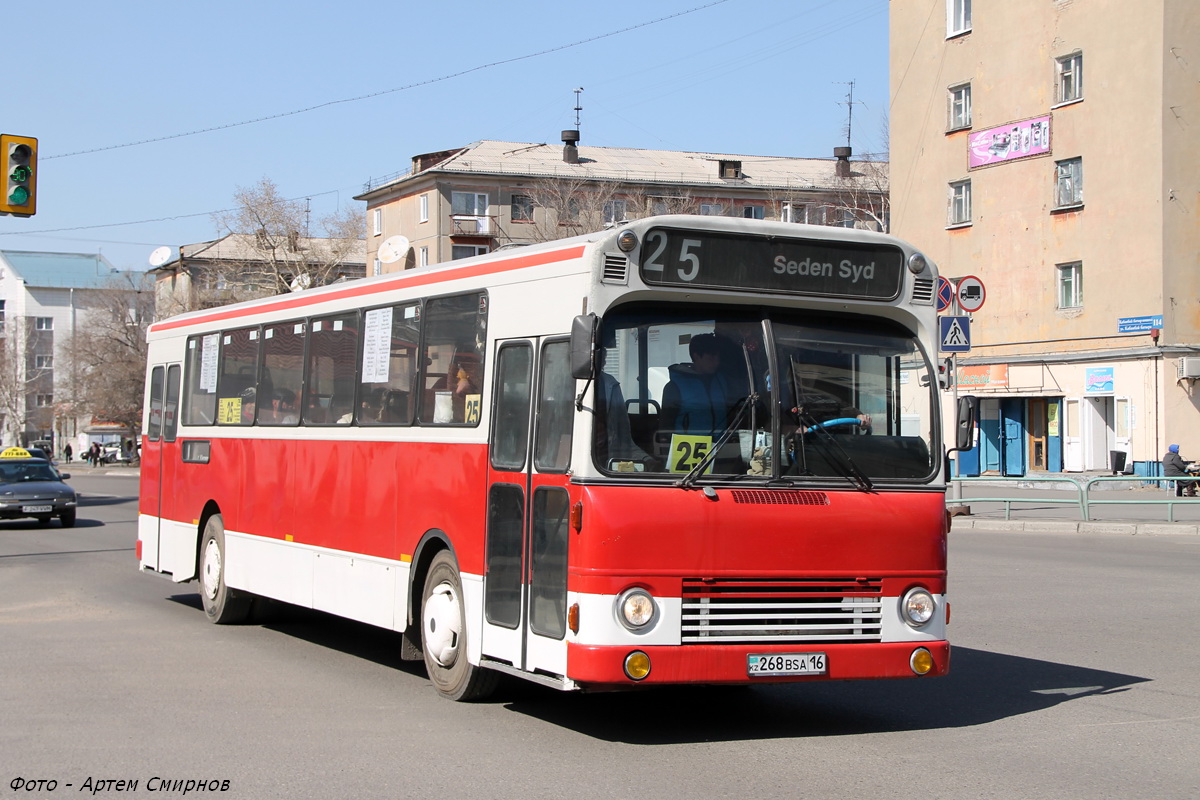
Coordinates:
[473,226]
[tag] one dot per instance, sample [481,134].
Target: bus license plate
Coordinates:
[786,664]
[36,509]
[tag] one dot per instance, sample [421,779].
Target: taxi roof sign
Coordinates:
[15,452]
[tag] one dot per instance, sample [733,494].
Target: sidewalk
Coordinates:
[1048,504]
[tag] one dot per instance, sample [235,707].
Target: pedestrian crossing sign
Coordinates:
[955,334]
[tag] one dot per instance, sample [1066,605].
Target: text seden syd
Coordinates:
[809,267]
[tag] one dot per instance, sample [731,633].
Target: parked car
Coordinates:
[32,487]
[113,453]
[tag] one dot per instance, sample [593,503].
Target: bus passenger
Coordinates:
[249,396]
[696,398]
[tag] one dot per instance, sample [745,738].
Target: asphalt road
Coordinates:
[1074,676]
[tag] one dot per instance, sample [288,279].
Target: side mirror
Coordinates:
[965,424]
[583,346]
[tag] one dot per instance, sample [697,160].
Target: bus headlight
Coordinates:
[917,607]
[636,610]
[627,241]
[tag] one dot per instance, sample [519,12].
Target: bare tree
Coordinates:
[571,206]
[105,359]
[278,249]
[25,376]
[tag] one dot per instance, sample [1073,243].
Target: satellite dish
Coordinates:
[160,256]
[301,282]
[393,248]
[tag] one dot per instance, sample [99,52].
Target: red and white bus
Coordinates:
[684,450]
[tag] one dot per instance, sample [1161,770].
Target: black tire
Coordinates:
[444,635]
[222,605]
[67,518]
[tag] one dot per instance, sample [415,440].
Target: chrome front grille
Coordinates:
[781,610]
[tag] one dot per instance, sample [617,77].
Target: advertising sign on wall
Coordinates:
[1100,380]
[1009,142]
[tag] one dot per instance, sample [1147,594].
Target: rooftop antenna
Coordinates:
[849,109]
[578,107]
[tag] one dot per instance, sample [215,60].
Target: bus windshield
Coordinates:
[695,393]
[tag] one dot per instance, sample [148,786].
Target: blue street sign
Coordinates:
[1139,324]
[955,334]
[945,294]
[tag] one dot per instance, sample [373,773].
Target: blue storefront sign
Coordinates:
[1139,324]
[1099,380]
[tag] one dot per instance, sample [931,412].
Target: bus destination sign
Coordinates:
[703,259]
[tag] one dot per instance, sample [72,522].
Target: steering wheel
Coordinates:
[832,423]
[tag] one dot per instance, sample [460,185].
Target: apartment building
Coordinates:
[43,298]
[490,194]
[1048,147]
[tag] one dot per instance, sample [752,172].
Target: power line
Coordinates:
[459,74]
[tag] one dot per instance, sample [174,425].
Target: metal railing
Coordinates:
[1081,497]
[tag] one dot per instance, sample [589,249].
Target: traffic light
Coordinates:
[19,180]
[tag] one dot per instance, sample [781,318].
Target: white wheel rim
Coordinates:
[211,573]
[443,625]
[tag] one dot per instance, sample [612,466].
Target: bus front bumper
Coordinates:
[605,666]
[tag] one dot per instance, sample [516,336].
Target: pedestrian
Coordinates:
[1175,467]
[94,454]
[67,452]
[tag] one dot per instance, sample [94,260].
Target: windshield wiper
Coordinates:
[850,470]
[687,481]
[750,401]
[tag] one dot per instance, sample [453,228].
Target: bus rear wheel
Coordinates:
[444,635]
[222,605]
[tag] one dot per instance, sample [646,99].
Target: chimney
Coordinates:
[843,161]
[570,151]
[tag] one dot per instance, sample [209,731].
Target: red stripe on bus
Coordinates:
[405,279]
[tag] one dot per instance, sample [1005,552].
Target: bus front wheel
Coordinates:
[444,635]
[222,605]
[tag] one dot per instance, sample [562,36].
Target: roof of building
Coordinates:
[60,270]
[667,167]
[242,247]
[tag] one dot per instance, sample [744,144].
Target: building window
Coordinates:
[960,107]
[43,362]
[377,268]
[614,211]
[958,17]
[793,212]
[712,209]
[468,204]
[1070,285]
[44,323]
[753,212]
[423,257]
[960,203]
[424,203]
[1070,78]
[44,400]
[377,221]
[467,250]
[522,208]
[1068,179]
[731,169]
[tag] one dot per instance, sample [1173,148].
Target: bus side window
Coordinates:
[389,365]
[455,329]
[236,384]
[332,370]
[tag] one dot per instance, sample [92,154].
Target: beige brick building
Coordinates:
[490,194]
[1049,147]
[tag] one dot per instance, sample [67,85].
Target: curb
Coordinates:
[961,525]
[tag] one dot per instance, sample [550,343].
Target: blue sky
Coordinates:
[757,77]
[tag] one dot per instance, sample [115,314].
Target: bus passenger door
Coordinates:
[525,582]
[157,464]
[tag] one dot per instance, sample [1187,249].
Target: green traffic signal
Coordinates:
[19,196]
[18,175]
